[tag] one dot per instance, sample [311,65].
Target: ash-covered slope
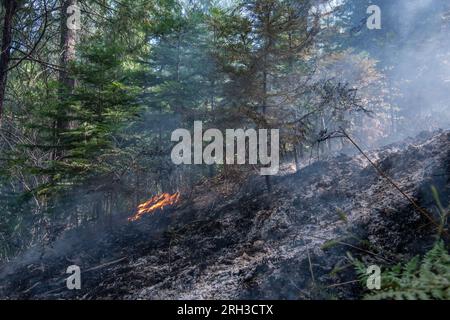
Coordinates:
[248,244]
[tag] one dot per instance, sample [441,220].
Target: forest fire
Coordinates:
[156,202]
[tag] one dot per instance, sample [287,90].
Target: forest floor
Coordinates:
[249,244]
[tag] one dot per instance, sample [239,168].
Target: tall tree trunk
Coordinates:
[10,9]
[67,44]
[264,110]
[268,46]
[68,41]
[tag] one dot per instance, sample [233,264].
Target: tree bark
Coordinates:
[68,37]
[68,42]
[268,45]
[67,46]
[10,9]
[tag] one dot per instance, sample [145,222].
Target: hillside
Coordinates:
[248,244]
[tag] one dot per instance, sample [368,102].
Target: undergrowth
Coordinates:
[419,279]
[422,278]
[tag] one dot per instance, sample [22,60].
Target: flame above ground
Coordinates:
[156,202]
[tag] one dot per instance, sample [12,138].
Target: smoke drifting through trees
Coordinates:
[411,51]
[87,119]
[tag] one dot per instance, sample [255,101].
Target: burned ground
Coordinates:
[248,244]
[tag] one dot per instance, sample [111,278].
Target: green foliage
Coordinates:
[419,279]
[443,212]
[102,105]
[329,244]
[342,215]
[423,278]
[144,68]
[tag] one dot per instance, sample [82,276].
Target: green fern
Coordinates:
[419,279]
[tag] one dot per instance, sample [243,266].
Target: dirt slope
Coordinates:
[251,244]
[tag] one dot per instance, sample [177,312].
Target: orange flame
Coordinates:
[155,203]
